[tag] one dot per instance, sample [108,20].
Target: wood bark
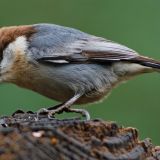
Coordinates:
[24,137]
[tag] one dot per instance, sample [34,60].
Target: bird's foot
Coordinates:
[83,112]
[42,111]
[59,109]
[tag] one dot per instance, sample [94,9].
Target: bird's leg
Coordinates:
[65,107]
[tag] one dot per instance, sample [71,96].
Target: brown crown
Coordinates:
[9,34]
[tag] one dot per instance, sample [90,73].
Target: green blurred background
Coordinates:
[133,23]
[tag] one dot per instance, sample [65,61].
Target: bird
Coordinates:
[66,64]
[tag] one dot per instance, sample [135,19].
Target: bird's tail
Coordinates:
[148,62]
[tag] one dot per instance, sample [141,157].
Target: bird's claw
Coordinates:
[51,113]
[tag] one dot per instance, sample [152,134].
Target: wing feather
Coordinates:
[57,44]
[91,51]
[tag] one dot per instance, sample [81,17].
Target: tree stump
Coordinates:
[24,137]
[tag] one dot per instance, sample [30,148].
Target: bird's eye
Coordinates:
[1,56]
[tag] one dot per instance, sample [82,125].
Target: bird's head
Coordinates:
[11,39]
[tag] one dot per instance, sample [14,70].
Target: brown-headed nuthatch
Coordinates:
[66,64]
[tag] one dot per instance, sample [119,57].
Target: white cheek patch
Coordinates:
[18,46]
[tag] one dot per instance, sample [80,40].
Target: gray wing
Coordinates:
[57,44]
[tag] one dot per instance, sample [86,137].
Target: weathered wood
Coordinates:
[24,137]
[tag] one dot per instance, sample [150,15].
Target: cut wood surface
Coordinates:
[24,137]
